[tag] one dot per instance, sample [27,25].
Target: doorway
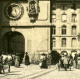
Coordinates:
[13,43]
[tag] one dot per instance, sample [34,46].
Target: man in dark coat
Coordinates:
[76,60]
[27,62]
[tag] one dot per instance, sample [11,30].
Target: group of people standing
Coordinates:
[18,60]
[12,60]
[45,61]
[67,61]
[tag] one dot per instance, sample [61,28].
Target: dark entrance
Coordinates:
[13,43]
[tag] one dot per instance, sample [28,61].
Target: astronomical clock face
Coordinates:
[14,11]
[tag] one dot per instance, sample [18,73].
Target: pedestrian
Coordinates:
[17,61]
[44,61]
[49,58]
[27,61]
[76,60]
[13,60]
[41,59]
[59,64]
[65,62]
[1,64]
[70,63]
[62,58]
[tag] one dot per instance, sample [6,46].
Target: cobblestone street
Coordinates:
[25,72]
[74,74]
[34,72]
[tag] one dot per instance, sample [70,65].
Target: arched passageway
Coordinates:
[13,43]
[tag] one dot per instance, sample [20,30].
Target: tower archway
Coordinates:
[13,43]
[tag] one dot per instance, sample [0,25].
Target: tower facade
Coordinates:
[25,27]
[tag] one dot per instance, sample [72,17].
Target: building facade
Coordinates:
[65,26]
[40,26]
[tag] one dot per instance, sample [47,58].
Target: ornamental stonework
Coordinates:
[13,11]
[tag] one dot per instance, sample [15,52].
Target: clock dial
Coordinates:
[14,11]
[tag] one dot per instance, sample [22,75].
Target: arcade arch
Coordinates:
[13,43]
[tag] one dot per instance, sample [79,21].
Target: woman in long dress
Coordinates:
[27,62]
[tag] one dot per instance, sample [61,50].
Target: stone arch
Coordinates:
[13,43]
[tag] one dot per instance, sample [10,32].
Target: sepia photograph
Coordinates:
[39,39]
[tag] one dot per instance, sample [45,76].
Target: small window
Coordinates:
[63,30]
[64,17]
[54,30]
[63,42]
[74,17]
[53,42]
[73,42]
[53,17]
[73,30]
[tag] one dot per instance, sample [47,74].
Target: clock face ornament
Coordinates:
[14,11]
